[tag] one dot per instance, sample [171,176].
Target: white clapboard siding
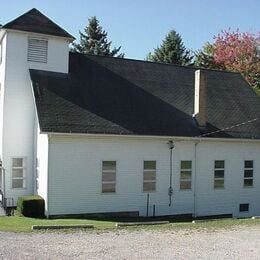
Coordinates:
[75,174]
[18,121]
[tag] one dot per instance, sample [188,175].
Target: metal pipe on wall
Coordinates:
[170,190]
[195,180]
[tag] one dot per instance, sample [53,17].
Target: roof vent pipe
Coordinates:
[200,106]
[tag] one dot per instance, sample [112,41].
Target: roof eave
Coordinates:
[177,138]
[70,39]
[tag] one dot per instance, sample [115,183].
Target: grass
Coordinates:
[24,224]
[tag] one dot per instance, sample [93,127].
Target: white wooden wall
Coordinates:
[19,115]
[75,176]
[42,157]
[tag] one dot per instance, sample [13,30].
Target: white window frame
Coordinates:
[218,178]
[108,182]
[150,181]
[23,167]
[186,179]
[249,178]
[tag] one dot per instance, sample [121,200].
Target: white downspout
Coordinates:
[195,180]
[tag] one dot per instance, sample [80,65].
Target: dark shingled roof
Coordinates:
[35,21]
[121,96]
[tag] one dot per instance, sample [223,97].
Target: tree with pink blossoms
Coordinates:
[233,51]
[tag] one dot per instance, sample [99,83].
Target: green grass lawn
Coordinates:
[23,224]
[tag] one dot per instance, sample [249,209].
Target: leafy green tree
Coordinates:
[172,50]
[94,41]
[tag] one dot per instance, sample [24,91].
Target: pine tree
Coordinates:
[172,50]
[94,41]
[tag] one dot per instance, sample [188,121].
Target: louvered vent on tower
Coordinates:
[37,50]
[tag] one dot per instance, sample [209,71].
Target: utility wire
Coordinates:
[227,128]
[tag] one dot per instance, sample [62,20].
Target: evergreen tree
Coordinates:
[172,50]
[94,41]
[204,57]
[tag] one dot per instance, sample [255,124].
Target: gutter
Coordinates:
[179,138]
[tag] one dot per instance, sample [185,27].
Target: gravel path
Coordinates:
[182,244]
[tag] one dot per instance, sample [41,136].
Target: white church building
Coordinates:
[96,134]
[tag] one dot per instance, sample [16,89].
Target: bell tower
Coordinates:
[31,41]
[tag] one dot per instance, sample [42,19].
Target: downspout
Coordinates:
[170,190]
[195,181]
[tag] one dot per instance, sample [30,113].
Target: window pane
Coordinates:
[219,173]
[149,175]
[108,187]
[186,164]
[249,164]
[243,207]
[109,176]
[149,165]
[109,165]
[218,184]
[17,162]
[17,183]
[17,173]
[185,185]
[149,186]
[248,173]
[185,174]
[219,164]
[248,182]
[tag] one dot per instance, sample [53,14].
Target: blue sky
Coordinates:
[141,25]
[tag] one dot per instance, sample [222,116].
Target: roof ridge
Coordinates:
[158,63]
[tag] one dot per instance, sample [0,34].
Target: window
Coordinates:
[244,207]
[108,176]
[186,175]
[18,173]
[149,177]
[219,173]
[37,50]
[248,173]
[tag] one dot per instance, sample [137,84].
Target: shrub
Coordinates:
[30,206]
